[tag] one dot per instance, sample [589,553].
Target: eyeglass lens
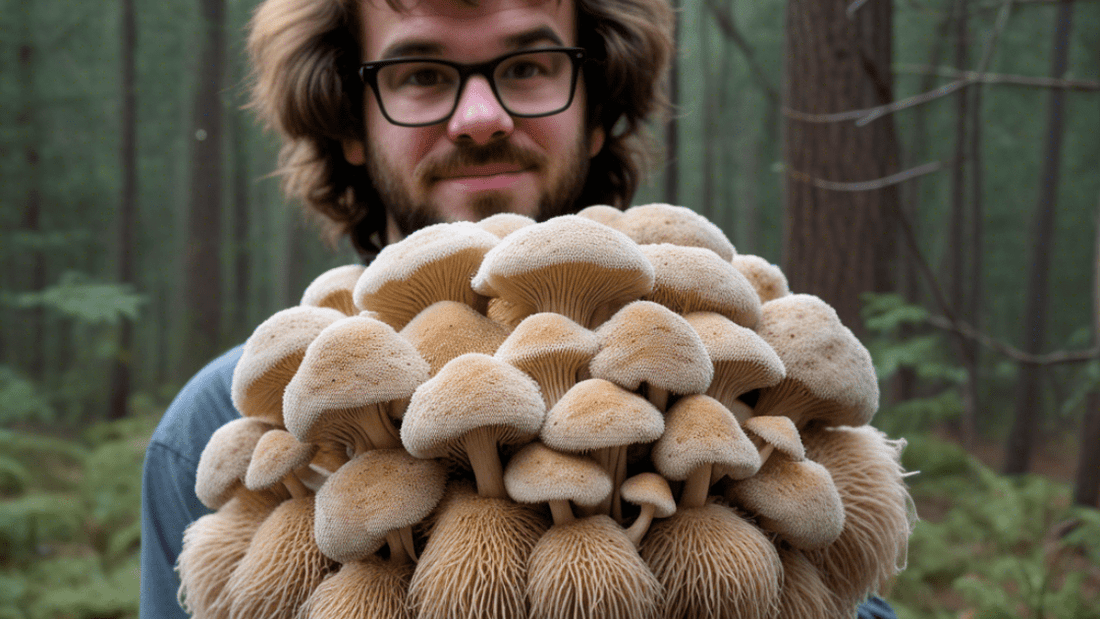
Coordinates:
[532,84]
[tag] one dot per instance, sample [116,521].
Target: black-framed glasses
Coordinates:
[416,92]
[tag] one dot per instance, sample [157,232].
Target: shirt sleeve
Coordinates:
[875,608]
[168,501]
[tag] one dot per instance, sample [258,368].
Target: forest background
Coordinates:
[952,177]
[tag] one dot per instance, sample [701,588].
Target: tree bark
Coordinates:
[710,121]
[203,256]
[1086,482]
[32,333]
[672,129]
[838,245]
[242,258]
[1026,418]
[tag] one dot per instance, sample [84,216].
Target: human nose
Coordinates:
[479,116]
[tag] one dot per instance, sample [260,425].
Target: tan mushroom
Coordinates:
[651,492]
[742,360]
[691,279]
[275,459]
[830,377]
[538,474]
[467,410]
[271,357]
[432,264]
[366,589]
[224,460]
[567,265]
[333,289]
[767,279]
[503,224]
[601,213]
[804,593]
[650,224]
[774,433]
[447,329]
[552,349]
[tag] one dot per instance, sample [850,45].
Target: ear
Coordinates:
[595,141]
[353,152]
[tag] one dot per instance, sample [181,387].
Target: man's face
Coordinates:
[480,160]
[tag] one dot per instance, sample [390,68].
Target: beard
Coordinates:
[411,213]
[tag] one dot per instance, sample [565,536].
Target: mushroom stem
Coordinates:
[766,452]
[481,449]
[297,489]
[696,487]
[657,397]
[618,476]
[380,430]
[638,530]
[398,555]
[407,542]
[561,512]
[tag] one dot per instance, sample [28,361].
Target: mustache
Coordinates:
[474,155]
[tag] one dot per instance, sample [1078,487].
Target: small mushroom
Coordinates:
[649,491]
[552,349]
[224,460]
[690,279]
[766,278]
[333,289]
[275,459]
[538,474]
[447,329]
[503,224]
[650,224]
[742,360]
[770,433]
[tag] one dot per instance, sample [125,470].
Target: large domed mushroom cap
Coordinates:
[596,414]
[432,264]
[568,265]
[830,376]
[650,224]
[766,278]
[552,349]
[333,289]
[691,279]
[601,213]
[503,224]
[742,360]
[447,329]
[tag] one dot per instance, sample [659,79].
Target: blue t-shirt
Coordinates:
[168,501]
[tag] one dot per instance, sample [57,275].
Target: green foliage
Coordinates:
[20,399]
[78,297]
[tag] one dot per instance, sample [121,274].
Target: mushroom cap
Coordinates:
[647,342]
[698,431]
[797,500]
[551,349]
[432,264]
[472,391]
[596,414]
[652,489]
[376,492]
[742,360]
[601,213]
[447,329]
[223,463]
[692,279]
[830,376]
[353,363]
[333,289]
[767,279]
[503,224]
[568,265]
[777,431]
[276,455]
[538,474]
[271,356]
[650,224]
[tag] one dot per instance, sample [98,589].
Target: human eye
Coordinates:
[419,75]
[529,66]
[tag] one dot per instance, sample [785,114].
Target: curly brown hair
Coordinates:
[303,51]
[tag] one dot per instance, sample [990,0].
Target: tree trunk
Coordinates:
[120,376]
[1025,424]
[672,129]
[32,333]
[838,245]
[203,255]
[1086,483]
[710,120]
[242,263]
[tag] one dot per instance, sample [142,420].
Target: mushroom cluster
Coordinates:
[606,415]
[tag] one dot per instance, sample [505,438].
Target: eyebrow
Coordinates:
[414,47]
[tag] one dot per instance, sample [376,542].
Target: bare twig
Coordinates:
[728,26]
[864,116]
[1001,78]
[870,185]
[965,330]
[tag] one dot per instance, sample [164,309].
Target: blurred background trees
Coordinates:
[929,167]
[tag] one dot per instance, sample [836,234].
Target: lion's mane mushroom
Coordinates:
[367,589]
[878,515]
[742,360]
[538,474]
[649,491]
[767,279]
[223,463]
[271,356]
[467,410]
[713,563]
[354,378]
[503,224]
[475,563]
[650,224]
[804,594]
[275,459]
[601,213]
[447,329]
[645,342]
[691,279]
[551,349]
[567,265]
[333,289]
[830,378]
[432,264]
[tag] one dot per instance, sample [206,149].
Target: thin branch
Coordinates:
[1000,78]
[864,116]
[726,24]
[965,330]
[870,185]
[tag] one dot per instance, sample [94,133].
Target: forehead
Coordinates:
[454,28]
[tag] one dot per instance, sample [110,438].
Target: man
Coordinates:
[461,110]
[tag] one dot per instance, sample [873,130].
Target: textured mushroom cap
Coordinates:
[472,391]
[691,279]
[275,456]
[699,430]
[830,376]
[767,279]
[596,414]
[377,492]
[601,213]
[742,360]
[588,568]
[538,474]
[355,362]
[797,500]
[551,349]
[447,329]
[651,489]
[271,356]
[647,342]
[333,289]
[223,463]
[568,265]
[503,224]
[366,589]
[779,432]
[664,223]
[432,264]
